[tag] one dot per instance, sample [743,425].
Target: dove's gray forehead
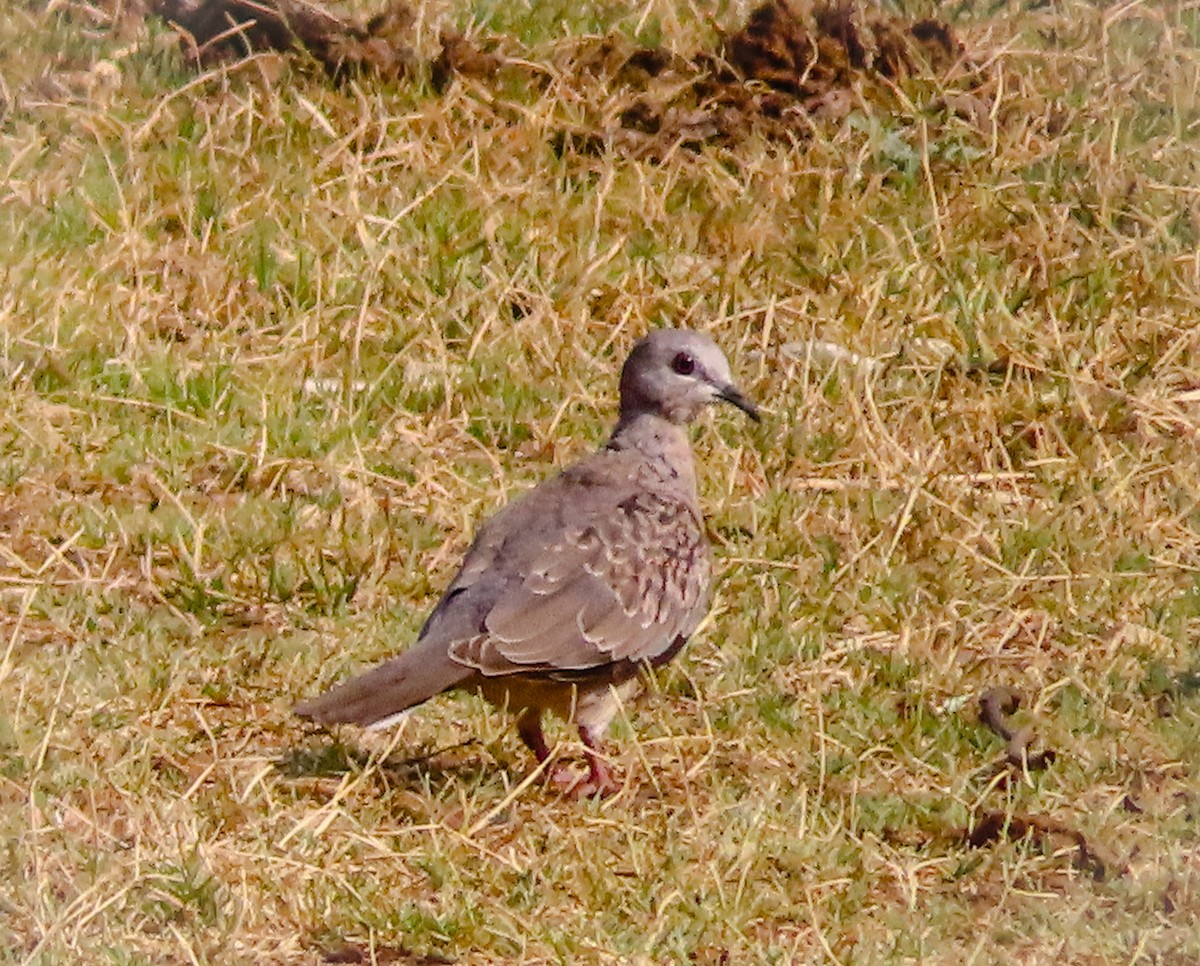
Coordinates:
[661,346]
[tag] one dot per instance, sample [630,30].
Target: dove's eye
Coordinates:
[684,364]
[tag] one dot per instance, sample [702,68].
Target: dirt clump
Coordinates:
[617,61]
[792,62]
[461,56]
[808,50]
[789,65]
[219,30]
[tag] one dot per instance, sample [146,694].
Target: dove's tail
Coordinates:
[378,697]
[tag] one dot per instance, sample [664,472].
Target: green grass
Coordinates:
[271,348]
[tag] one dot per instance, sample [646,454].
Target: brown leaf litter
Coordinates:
[793,60]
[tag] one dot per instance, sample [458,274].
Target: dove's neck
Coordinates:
[664,446]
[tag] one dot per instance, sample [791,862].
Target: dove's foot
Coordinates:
[597,782]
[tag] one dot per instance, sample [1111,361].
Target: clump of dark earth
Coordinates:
[792,62]
[219,30]
[462,56]
[807,50]
[788,65]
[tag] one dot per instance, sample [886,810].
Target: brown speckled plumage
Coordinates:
[568,591]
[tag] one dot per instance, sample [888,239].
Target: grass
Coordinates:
[272,346]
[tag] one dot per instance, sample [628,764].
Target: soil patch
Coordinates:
[791,62]
[223,29]
[808,51]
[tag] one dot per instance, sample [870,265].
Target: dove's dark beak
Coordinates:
[733,395]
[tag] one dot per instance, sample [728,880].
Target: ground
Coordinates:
[276,335]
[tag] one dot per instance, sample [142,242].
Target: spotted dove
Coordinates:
[568,592]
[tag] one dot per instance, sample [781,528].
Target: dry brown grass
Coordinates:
[273,344]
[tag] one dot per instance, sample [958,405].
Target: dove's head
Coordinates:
[675,373]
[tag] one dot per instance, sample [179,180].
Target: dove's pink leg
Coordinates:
[529,727]
[599,780]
